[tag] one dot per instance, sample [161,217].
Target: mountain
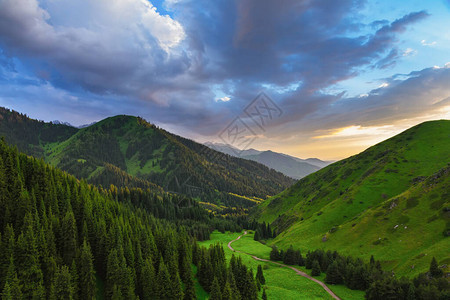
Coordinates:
[61,238]
[126,149]
[284,164]
[230,150]
[391,200]
[288,165]
[57,122]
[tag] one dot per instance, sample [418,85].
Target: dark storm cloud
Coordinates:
[132,57]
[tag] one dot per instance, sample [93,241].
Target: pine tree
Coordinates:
[274,254]
[256,237]
[63,284]
[309,261]
[315,268]
[290,257]
[372,260]
[333,276]
[235,294]
[163,283]
[358,279]
[434,269]
[227,293]
[215,290]
[260,276]
[87,273]
[301,260]
[176,289]
[12,288]
[112,274]
[74,278]
[264,295]
[116,293]
[28,267]
[189,291]
[68,234]
[411,294]
[148,278]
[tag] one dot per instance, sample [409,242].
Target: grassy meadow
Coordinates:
[281,283]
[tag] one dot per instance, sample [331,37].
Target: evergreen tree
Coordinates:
[260,276]
[68,235]
[63,284]
[87,273]
[74,279]
[358,279]
[215,290]
[6,294]
[116,293]
[148,279]
[411,294]
[235,294]
[301,260]
[227,293]
[290,257]
[189,290]
[309,261]
[28,268]
[12,288]
[163,284]
[334,276]
[434,269]
[315,268]
[274,254]
[113,274]
[264,295]
[177,290]
[256,236]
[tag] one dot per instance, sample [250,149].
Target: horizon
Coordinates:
[342,76]
[332,160]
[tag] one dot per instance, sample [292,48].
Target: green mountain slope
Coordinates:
[61,238]
[391,200]
[31,136]
[125,150]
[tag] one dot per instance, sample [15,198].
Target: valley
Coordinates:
[114,192]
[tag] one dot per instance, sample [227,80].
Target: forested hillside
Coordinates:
[61,238]
[391,200]
[128,151]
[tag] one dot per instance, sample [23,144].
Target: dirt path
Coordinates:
[301,273]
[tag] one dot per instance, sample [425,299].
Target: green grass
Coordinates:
[281,283]
[199,291]
[354,196]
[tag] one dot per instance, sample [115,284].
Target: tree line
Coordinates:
[62,238]
[370,277]
[226,282]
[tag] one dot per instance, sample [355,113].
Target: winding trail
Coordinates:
[301,273]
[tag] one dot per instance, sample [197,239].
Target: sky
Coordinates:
[322,78]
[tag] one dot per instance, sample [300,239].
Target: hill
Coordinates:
[284,164]
[293,167]
[391,200]
[62,238]
[126,150]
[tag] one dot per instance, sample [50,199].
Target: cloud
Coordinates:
[125,56]
[423,92]
[409,52]
[101,46]
[425,43]
[223,99]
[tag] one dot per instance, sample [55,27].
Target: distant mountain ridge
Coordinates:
[291,166]
[127,150]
